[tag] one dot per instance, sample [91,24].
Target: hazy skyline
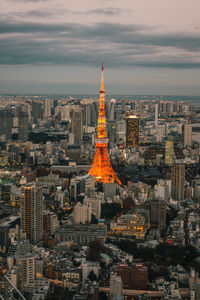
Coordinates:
[148,46]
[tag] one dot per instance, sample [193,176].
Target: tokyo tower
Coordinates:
[101,167]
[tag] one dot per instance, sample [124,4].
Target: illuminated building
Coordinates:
[32,216]
[178,181]
[101,167]
[169,151]
[129,225]
[132,131]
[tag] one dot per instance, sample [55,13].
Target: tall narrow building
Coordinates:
[77,125]
[31,214]
[23,126]
[187,135]
[169,151]
[101,167]
[132,131]
[178,181]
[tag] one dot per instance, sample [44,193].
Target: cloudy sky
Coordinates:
[56,46]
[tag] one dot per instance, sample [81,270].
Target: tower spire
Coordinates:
[102,79]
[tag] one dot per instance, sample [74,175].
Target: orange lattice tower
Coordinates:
[101,167]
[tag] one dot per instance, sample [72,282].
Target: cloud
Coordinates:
[74,44]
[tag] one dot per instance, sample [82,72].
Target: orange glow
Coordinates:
[101,167]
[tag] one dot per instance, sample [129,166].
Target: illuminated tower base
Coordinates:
[101,167]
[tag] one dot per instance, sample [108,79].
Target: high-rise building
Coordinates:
[158,213]
[32,214]
[132,131]
[36,111]
[156,114]
[22,126]
[169,151]
[47,108]
[178,181]
[6,117]
[101,168]
[77,125]
[187,134]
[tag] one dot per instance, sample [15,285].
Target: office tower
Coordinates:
[132,131]
[6,118]
[112,110]
[23,126]
[169,151]
[32,215]
[87,113]
[187,135]
[156,114]
[111,126]
[4,238]
[116,287]
[77,125]
[47,108]
[158,213]
[101,167]
[178,181]
[94,111]
[37,111]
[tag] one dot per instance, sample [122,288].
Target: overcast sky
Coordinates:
[56,46]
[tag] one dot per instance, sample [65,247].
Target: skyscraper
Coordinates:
[6,118]
[77,125]
[187,134]
[101,167]
[47,108]
[132,131]
[169,151]
[31,214]
[156,114]
[22,126]
[158,213]
[178,181]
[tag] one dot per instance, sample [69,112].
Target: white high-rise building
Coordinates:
[47,108]
[82,213]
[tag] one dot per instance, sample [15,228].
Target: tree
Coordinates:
[92,276]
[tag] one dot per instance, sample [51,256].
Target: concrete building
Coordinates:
[95,205]
[82,213]
[169,151]
[47,108]
[31,213]
[178,181]
[132,132]
[187,135]
[77,125]
[158,213]
[22,126]
[116,287]
[89,266]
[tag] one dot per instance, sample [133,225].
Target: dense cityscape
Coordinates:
[99,197]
